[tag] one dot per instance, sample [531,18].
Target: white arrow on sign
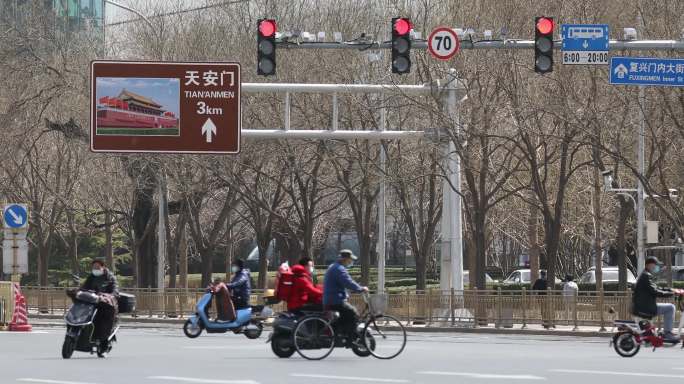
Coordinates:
[585,44]
[208,129]
[17,220]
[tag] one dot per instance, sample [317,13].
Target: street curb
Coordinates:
[151,323]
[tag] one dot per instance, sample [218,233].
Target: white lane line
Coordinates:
[47,381]
[201,381]
[634,374]
[482,375]
[224,347]
[349,378]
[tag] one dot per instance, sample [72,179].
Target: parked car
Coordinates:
[610,275]
[522,276]
[466,278]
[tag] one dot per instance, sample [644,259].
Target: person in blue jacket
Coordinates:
[337,282]
[240,284]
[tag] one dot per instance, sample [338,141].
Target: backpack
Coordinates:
[284,282]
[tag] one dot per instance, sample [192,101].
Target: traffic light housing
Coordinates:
[543,44]
[401,45]
[266,47]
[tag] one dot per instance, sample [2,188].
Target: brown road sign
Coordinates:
[165,107]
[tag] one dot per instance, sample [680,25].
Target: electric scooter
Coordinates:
[632,334]
[248,321]
[80,327]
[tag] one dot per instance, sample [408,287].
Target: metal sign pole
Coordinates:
[640,186]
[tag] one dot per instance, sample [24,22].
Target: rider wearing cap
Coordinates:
[645,294]
[337,282]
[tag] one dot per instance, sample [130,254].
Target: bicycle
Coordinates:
[382,336]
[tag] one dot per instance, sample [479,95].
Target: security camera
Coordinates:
[630,33]
[673,193]
[607,180]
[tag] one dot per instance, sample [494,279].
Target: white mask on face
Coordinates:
[97,272]
[234,268]
[312,270]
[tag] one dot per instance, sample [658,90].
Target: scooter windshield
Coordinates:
[80,313]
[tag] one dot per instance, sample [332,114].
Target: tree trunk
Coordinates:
[183,259]
[145,253]
[207,255]
[263,244]
[481,251]
[421,271]
[109,250]
[43,261]
[533,239]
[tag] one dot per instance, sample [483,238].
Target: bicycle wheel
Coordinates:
[384,337]
[314,338]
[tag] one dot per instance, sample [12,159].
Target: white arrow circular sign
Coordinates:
[443,43]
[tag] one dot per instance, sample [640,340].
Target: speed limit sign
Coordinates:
[443,43]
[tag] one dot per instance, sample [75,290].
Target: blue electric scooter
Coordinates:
[248,321]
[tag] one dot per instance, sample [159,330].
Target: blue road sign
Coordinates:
[647,71]
[15,216]
[585,43]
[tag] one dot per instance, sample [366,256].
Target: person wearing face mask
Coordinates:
[103,282]
[100,280]
[240,284]
[646,291]
[335,285]
[304,296]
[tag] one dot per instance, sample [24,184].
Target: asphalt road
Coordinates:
[166,356]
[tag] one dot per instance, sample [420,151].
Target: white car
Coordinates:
[466,278]
[522,276]
[610,275]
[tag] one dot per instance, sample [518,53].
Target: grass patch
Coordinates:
[138,131]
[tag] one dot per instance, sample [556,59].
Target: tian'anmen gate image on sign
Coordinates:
[165,107]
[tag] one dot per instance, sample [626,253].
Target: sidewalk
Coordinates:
[144,322]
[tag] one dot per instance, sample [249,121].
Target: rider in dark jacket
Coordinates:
[240,285]
[101,281]
[645,294]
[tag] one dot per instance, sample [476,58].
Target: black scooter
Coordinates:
[80,326]
[282,336]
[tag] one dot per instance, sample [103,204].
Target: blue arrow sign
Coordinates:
[647,71]
[585,37]
[15,216]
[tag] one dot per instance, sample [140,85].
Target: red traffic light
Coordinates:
[267,27]
[545,25]
[402,26]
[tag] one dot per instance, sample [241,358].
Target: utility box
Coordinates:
[652,232]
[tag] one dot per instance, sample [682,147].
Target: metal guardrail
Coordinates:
[472,308]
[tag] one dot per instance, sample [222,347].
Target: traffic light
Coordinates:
[266,48]
[401,45]
[543,44]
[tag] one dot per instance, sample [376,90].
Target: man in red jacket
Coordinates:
[305,296]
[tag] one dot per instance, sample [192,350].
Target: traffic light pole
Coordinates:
[614,45]
[453,91]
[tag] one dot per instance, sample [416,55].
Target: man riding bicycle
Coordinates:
[644,298]
[337,282]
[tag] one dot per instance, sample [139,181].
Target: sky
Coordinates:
[162,90]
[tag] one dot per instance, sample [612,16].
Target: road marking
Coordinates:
[202,381]
[636,374]
[483,375]
[224,347]
[47,381]
[349,378]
